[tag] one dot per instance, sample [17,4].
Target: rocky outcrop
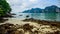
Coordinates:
[29,28]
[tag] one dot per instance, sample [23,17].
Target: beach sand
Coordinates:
[14,21]
[37,28]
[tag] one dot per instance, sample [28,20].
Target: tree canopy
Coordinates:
[4,8]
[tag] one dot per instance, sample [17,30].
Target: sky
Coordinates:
[21,5]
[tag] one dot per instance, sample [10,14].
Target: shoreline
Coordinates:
[30,26]
[15,20]
[19,21]
[53,23]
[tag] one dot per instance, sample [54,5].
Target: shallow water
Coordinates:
[39,16]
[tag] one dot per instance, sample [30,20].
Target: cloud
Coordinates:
[21,5]
[33,1]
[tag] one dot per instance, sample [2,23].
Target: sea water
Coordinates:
[39,16]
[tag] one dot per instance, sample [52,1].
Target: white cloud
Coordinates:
[14,2]
[21,5]
[33,1]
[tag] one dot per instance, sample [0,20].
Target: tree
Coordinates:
[4,8]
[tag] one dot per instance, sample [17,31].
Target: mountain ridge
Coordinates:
[49,9]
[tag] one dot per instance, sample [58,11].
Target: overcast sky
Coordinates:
[21,5]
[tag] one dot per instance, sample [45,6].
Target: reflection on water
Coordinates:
[40,16]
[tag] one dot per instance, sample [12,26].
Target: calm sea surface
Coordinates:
[39,16]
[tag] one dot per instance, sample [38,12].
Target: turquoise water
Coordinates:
[40,16]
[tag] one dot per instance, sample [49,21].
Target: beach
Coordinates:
[31,26]
[29,17]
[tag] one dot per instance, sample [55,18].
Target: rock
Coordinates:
[27,27]
[35,30]
[7,28]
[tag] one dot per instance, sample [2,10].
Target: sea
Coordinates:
[39,16]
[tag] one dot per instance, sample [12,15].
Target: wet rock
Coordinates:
[21,30]
[27,27]
[7,28]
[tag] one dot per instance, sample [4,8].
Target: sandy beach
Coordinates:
[14,21]
[36,27]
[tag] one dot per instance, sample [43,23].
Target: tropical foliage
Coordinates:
[4,8]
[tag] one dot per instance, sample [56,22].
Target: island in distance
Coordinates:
[49,9]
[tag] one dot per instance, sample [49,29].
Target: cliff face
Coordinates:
[49,9]
[52,8]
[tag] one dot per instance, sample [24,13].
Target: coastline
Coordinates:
[53,23]
[32,26]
